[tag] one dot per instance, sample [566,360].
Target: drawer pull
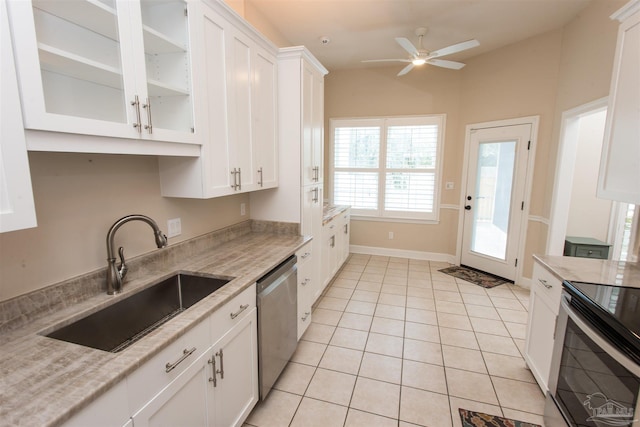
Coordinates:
[305,281]
[545,284]
[306,316]
[237,313]
[306,255]
[185,353]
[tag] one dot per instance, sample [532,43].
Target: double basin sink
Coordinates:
[119,325]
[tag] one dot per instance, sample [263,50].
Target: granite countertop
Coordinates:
[591,270]
[43,381]
[331,211]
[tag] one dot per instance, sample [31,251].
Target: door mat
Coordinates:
[474,276]
[478,419]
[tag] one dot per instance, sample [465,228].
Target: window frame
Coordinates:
[383,123]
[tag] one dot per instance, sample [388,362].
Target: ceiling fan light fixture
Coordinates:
[419,61]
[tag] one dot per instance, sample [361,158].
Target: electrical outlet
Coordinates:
[449,185]
[243,209]
[391,235]
[174,227]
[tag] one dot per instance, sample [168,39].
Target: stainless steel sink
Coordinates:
[117,326]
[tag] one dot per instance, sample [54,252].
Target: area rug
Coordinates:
[474,276]
[478,419]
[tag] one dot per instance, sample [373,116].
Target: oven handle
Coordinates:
[601,342]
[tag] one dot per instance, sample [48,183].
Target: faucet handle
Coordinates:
[123,269]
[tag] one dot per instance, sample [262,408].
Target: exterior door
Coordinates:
[494,200]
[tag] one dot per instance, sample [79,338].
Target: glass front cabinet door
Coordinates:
[116,68]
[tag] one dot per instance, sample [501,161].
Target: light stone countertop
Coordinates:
[331,211]
[44,381]
[591,270]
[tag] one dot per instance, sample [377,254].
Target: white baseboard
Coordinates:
[524,282]
[401,253]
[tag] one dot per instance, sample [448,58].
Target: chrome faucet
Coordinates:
[115,276]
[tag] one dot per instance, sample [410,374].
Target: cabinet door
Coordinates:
[619,177]
[17,210]
[540,338]
[236,391]
[238,56]
[306,102]
[264,118]
[187,401]
[73,59]
[163,65]
[317,126]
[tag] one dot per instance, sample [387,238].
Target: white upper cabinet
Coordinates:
[113,68]
[239,79]
[619,177]
[312,123]
[17,209]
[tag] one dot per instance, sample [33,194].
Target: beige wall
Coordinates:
[77,198]
[543,76]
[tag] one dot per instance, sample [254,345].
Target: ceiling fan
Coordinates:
[420,56]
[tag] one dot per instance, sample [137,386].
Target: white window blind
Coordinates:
[388,167]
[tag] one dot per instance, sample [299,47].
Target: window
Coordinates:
[388,167]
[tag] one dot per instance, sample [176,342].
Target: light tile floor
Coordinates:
[394,342]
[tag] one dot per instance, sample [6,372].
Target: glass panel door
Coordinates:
[80,60]
[494,182]
[168,66]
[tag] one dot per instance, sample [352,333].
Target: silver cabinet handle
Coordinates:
[234,172]
[260,180]
[221,370]
[306,316]
[332,226]
[306,255]
[346,228]
[315,195]
[136,105]
[305,282]
[185,353]
[239,179]
[237,313]
[333,241]
[213,379]
[545,284]
[148,126]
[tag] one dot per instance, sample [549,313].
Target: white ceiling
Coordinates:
[365,29]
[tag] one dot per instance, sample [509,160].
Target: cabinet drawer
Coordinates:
[598,252]
[146,381]
[304,254]
[547,286]
[227,316]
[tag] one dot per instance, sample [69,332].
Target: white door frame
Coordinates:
[565,166]
[531,120]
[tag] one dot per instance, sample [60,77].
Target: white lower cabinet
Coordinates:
[186,401]
[236,385]
[335,245]
[306,286]
[544,305]
[208,377]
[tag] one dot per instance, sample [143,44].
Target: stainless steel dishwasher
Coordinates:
[277,322]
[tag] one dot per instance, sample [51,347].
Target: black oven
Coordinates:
[595,369]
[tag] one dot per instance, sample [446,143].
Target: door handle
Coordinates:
[468,207]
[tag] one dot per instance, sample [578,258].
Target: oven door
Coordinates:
[591,382]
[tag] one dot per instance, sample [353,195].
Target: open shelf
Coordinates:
[91,14]
[158,88]
[59,61]
[157,43]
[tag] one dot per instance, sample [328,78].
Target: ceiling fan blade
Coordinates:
[455,48]
[407,45]
[386,60]
[406,69]
[446,64]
